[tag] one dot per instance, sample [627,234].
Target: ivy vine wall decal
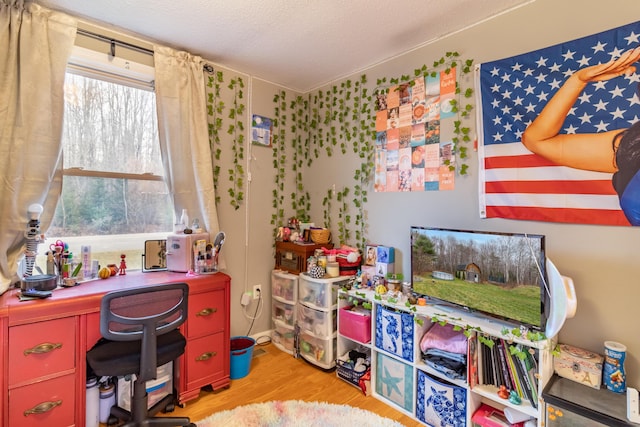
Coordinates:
[325,123]
[332,121]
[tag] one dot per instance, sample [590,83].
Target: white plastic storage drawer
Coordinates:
[156,389]
[283,336]
[319,293]
[283,312]
[284,285]
[319,351]
[317,322]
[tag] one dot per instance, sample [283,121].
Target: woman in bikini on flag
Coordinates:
[616,151]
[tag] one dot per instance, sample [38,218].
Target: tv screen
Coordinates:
[500,274]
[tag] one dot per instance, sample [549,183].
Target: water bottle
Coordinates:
[107,400]
[92,402]
[184,219]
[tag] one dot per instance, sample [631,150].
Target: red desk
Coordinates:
[44,346]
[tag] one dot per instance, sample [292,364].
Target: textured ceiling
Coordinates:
[299,44]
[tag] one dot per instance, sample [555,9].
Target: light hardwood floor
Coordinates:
[275,375]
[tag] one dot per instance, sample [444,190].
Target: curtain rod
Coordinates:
[114,42]
[207,67]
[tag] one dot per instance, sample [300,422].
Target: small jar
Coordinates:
[393,285]
[333,269]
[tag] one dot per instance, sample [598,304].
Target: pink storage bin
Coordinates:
[355,324]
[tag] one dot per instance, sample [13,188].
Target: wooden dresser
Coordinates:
[44,345]
[292,257]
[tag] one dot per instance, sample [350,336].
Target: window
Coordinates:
[113,196]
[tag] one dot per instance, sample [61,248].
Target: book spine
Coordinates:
[512,371]
[508,381]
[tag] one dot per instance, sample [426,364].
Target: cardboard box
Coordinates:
[581,366]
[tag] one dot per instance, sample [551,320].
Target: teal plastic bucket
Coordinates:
[241,354]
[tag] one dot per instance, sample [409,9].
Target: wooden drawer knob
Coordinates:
[206,311]
[206,356]
[43,348]
[43,407]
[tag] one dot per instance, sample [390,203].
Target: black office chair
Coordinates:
[139,330]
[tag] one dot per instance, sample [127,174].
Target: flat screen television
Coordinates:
[498,274]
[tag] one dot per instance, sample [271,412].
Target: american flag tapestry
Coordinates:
[559,132]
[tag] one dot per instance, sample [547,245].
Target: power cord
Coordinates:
[259,305]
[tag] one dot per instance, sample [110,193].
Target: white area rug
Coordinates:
[293,413]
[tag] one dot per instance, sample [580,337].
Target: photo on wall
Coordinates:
[261,130]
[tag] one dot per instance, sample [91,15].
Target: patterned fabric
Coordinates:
[316,272]
[440,404]
[394,332]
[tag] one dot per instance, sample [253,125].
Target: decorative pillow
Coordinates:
[444,338]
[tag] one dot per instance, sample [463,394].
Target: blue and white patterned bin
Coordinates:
[394,332]
[440,404]
[394,381]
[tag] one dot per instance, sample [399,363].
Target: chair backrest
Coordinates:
[142,314]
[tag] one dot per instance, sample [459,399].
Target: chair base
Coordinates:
[145,418]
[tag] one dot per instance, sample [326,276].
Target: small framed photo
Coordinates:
[261,130]
[371,255]
[306,235]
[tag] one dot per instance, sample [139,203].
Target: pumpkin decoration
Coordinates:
[104,273]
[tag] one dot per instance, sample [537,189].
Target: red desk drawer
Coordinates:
[41,349]
[207,360]
[207,313]
[47,403]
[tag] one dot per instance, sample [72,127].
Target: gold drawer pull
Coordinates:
[206,356]
[207,311]
[43,407]
[43,348]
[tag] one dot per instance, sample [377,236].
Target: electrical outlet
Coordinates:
[257,291]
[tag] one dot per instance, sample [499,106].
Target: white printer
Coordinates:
[180,250]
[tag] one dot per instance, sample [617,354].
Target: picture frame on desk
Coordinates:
[306,235]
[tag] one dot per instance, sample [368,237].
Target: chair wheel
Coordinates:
[192,425]
[169,408]
[112,421]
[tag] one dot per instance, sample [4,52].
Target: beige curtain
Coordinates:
[35,44]
[184,137]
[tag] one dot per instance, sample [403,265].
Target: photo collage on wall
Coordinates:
[409,154]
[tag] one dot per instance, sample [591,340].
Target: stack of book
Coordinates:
[510,365]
